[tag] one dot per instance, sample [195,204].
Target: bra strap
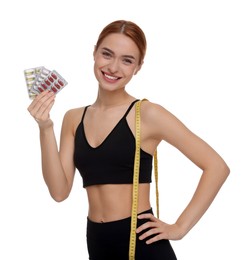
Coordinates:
[129,108]
[84,112]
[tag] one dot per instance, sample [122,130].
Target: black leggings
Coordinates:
[108,241]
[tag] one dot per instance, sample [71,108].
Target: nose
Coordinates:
[113,66]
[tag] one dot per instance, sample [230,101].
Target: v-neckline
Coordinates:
[111,131]
[105,139]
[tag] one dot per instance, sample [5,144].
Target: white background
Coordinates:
[197,66]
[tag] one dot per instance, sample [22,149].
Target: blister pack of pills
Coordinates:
[39,79]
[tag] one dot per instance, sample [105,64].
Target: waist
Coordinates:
[113,202]
[109,224]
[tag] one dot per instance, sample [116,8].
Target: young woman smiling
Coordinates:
[98,140]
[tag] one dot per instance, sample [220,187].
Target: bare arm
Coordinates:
[214,173]
[164,126]
[57,168]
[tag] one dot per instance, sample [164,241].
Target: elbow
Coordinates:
[224,170]
[219,169]
[227,170]
[59,197]
[58,193]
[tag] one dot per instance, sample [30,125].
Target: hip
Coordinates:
[110,240]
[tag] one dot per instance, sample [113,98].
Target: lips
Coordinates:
[110,78]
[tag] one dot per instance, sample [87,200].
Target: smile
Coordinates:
[112,78]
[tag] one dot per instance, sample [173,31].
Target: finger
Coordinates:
[149,233]
[147,216]
[45,114]
[36,99]
[42,104]
[37,103]
[40,99]
[147,225]
[44,111]
[154,239]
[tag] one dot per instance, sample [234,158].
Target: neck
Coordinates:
[107,99]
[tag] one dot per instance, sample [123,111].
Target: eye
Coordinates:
[106,54]
[127,61]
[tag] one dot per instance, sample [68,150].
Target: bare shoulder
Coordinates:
[160,122]
[154,112]
[72,118]
[74,112]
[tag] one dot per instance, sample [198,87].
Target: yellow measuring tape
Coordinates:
[132,242]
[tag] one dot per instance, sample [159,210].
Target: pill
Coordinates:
[30,84]
[45,71]
[32,96]
[30,79]
[51,79]
[47,82]
[57,85]
[40,89]
[54,89]
[39,79]
[44,85]
[38,70]
[29,72]
[60,82]
[32,76]
[54,75]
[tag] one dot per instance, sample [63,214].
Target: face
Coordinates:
[116,61]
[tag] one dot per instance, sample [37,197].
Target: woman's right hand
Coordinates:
[40,108]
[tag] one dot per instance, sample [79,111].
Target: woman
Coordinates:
[99,141]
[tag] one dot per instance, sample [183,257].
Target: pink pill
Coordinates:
[54,89]
[54,76]
[47,82]
[60,82]
[57,85]
[44,86]
[51,79]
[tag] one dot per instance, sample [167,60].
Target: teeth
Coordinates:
[110,77]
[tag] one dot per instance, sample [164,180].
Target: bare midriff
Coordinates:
[111,202]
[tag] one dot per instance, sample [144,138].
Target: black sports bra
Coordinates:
[112,162]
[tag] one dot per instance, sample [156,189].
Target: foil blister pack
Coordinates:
[40,78]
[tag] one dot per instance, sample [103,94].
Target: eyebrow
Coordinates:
[125,56]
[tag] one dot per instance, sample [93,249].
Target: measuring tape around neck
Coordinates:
[132,242]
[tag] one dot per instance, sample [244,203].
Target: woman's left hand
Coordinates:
[157,229]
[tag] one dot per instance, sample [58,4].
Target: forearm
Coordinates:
[52,169]
[208,187]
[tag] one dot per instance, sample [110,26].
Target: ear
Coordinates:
[138,68]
